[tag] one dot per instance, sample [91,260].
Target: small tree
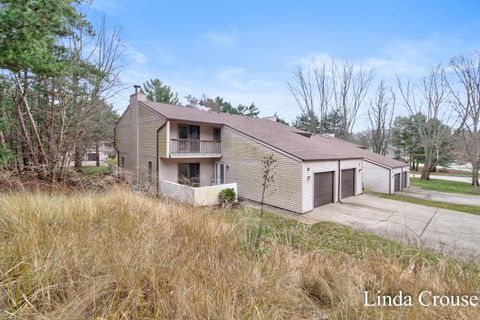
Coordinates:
[269,166]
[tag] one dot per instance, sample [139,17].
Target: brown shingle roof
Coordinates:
[280,136]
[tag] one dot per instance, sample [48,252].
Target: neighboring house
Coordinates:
[105,150]
[192,154]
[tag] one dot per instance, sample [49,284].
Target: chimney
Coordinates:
[271,118]
[138,95]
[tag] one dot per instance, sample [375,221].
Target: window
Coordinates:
[217,134]
[150,171]
[188,132]
[189,174]
[123,162]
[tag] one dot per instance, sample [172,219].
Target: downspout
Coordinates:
[339,183]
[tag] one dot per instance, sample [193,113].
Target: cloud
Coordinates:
[134,55]
[221,38]
[409,57]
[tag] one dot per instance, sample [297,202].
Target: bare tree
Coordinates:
[269,167]
[339,86]
[302,89]
[350,85]
[467,105]
[430,98]
[380,116]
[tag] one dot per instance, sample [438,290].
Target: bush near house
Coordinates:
[120,255]
[227,197]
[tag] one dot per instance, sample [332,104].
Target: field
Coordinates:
[122,255]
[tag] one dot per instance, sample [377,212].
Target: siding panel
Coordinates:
[243,156]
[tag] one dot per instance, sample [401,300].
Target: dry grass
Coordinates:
[121,255]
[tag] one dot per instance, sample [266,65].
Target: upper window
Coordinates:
[188,132]
[217,134]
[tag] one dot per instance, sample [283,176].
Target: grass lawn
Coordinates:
[112,162]
[330,237]
[430,203]
[452,174]
[444,186]
[94,170]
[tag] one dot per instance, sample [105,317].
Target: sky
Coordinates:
[246,51]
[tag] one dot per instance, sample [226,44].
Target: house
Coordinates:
[105,150]
[192,154]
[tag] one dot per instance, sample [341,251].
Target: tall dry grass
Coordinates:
[120,255]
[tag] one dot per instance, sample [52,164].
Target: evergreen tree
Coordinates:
[158,92]
[249,111]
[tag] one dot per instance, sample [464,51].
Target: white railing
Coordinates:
[199,196]
[194,147]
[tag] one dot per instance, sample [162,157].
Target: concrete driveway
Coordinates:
[450,232]
[462,199]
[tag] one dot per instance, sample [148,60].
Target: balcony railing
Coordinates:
[195,148]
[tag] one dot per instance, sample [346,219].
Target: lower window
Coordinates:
[189,174]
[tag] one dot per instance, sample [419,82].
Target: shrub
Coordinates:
[226,197]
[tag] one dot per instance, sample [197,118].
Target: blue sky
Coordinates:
[246,51]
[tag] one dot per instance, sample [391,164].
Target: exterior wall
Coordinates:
[196,196]
[148,122]
[242,157]
[312,167]
[163,141]
[169,169]
[136,138]
[380,179]
[376,178]
[122,138]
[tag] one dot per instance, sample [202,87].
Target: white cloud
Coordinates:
[133,55]
[221,38]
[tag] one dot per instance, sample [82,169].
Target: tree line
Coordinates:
[57,72]
[443,109]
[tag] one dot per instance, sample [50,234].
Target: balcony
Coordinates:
[195,148]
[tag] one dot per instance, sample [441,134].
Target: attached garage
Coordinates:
[396,182]
[323,188]
[347,183]
[387,176]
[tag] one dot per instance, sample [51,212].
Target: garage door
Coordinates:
[348,183]
[323,188]
[396,182]
[405,178]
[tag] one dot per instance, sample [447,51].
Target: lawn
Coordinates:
[94,170]
[445,186]
[430,203]
[123,255]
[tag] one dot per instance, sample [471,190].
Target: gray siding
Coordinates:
[243,157]
[375,177]
[138,151]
